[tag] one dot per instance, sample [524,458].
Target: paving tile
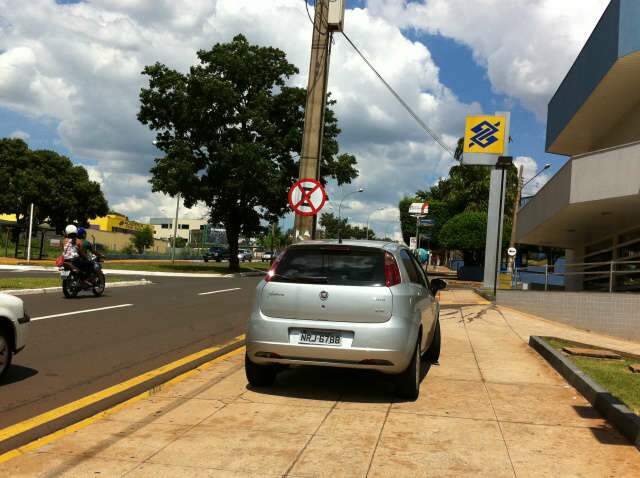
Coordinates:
[411,431]
[491,461]
[267,417]
[335,456]
[152,470]
[415,445]
[543,404]
[552,451]
[116,440]
[250,451]
[446,397]
[35,465]
[462,367]
[345,423]
[173,411]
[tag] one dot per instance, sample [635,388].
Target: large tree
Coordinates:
[331,225]
[230,131]
[61,192]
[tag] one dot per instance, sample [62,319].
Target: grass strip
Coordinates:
[613,375]
[15,283]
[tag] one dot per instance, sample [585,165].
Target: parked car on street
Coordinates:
[357,304]
[245,255]
[14,324]
[217,254]
[268,256]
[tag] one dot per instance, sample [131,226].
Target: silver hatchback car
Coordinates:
[357,304]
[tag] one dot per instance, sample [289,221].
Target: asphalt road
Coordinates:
[70,356]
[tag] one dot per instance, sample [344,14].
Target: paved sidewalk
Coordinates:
[492,407]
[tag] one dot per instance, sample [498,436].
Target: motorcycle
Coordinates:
[74,280]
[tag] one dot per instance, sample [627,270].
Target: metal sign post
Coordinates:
[487,139]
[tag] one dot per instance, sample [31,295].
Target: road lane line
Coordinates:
[219,291]
[56,413]
[81,312]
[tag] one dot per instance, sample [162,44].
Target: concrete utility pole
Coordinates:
[314,112]
[175,231]
[512,243]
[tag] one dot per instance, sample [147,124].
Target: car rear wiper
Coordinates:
[301,279]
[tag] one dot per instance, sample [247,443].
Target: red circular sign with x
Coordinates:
[307,197]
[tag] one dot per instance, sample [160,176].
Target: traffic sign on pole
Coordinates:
[419,209]
[307,197]
[512,251]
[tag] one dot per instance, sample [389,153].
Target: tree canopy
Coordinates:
[331,225]
[230,131]
[143,239]
[465,190]
[61,192]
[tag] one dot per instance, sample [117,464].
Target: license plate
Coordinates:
[65,273]
[320,337]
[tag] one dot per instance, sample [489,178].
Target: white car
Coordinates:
[14,324]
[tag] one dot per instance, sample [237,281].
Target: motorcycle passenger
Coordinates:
[73,249]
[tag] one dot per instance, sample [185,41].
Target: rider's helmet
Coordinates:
[71,230]
[82,233]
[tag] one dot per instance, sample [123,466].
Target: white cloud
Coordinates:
[527,46]
[19,134]
[80,64]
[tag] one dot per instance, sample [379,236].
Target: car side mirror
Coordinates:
[437,285]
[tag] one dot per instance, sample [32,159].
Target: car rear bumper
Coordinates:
[386,347]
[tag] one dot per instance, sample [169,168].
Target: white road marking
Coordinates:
[219,291]
[81,312]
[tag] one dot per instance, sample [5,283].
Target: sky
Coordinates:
[70,79]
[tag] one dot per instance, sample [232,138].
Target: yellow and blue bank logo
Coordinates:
[485,134]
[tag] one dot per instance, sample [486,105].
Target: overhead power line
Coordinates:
[424,126]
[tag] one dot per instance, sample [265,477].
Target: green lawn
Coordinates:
[13,283]
[613,375]
[197,267]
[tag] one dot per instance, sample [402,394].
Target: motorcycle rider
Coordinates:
[88,248]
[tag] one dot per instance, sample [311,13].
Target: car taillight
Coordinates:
[391,271]
[274,267]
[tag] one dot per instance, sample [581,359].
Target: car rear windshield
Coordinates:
[333,266]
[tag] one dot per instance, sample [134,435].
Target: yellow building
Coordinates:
[116,223]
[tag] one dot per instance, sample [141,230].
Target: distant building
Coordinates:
[591,207]
[163,227]
[116,223]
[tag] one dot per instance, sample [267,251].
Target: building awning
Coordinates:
[590,109]
[592,197]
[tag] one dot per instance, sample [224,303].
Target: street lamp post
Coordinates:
[340,212]
[369,216]
[175,231]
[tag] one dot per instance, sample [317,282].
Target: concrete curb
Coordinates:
[613,410]
[55,290]
[75,416]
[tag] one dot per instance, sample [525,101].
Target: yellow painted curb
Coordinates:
[56,413]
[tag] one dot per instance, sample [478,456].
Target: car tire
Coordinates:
[259,375]
[408,384]
[6,354]
[206,260]
[432,355]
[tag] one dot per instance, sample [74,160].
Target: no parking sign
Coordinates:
[307,197]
